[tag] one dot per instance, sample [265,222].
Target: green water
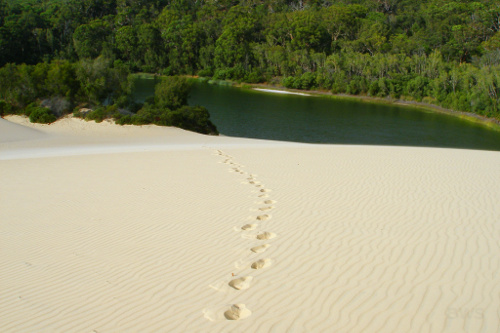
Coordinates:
[252,114]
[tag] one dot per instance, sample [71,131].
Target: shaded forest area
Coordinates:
[441,52]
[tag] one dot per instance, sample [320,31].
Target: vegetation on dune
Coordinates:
[442,52]
[169,108]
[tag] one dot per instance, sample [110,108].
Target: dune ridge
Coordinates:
[365,239]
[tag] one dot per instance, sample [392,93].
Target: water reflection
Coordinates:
[251,114]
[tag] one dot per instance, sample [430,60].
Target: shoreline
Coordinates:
[276,91]
[490,123]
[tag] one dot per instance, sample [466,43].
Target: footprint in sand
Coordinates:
[264,196]
[263,209]
[268,202]
[262,263]
[249,227]
[266,235]
[241,283]
[263,217]
[237,312]
[264,190]
[260,248]
[209,315]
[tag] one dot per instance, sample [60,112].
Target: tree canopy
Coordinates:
[445,52]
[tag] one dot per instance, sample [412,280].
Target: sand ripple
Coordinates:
[369,239]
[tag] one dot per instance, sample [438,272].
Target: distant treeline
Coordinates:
[442,52]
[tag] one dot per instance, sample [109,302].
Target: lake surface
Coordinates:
[253,114]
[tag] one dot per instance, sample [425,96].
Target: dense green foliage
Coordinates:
[171,93]
[445,52]
[60,84]
[169,108]
[42,115]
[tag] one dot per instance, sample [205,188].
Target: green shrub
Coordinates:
[5,108]
[288,82]
[254,77]
[101,113]
[339,83]
[138,120]
[223,74]
[373,90]
[417,88]
[192,118]
[205,72]
[149,113]
[28,109]
[306,81]
[353,88]
[98,115]
[124,120]
[41,115]
[172,92]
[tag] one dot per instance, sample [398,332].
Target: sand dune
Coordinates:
[12,132]
[341,238]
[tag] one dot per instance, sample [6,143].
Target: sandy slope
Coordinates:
[362,239]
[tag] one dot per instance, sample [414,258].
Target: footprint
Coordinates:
[264,196]
[241,283]
[263,217]
[241,264]
[260,248]
[237,312]
[262,263]
[266,208]
[218,286]
[268,202]
[253,182]
[264,190]
[209,315]
[249,227]
[266,235]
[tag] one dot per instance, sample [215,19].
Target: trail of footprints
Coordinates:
[239,311]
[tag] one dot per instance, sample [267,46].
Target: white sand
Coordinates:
[275,91]
[142,239]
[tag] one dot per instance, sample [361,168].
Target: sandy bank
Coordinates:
[275,91]
[488,122]
[336,239]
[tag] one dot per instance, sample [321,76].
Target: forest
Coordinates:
[58,54]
